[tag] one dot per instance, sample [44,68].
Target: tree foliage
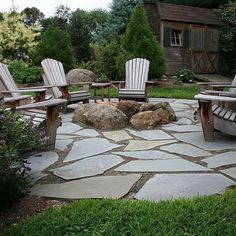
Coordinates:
[117,21]
[63,12]
[54,43]
[16,39]
[32,16]
[139,41]
[198,3]
[227,14]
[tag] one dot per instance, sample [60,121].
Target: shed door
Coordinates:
[204,49]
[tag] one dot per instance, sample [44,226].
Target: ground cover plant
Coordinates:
[18,138]
[214,215]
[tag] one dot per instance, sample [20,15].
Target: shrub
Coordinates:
[139,41]
[56,44]
[184,76]
[106,57]
[22,73]
[18,138]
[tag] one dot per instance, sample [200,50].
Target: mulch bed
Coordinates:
[25,208]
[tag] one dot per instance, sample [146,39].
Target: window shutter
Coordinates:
[166,37]
[186,38]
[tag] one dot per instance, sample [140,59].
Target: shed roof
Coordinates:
[187,14]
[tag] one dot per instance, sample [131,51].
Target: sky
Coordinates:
[48,6]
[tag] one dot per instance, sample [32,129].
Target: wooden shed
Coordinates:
[189,35]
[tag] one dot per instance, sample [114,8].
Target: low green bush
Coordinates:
[184,76]
[18,138]
[22,73]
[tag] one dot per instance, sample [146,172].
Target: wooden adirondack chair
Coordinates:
[8,87]
[221,117]
[48,118]
[136,82]
[55,76]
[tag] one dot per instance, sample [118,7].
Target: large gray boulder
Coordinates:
[102,116]
[80,75]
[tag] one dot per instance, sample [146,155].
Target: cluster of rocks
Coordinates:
[110,116]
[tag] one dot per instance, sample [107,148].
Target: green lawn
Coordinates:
[163,92]
[215,215]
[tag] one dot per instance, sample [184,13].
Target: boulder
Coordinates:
[80,75]
[101,116]
[129,108]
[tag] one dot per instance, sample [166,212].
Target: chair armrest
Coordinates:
[80,83]
[13,102]
[44,104]
[214,98]
[206,85]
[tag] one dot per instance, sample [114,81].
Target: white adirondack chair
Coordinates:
[136,82]
[55,76]
[8,87]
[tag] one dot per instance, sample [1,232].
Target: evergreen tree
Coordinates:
[54,43]
[117,21]
[139,41]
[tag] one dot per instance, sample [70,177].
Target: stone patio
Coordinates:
[169,162]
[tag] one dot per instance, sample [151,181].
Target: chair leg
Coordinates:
[206,115]
[64,108]
[52,123]
[85,101]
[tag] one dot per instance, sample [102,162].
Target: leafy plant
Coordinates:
[139,41]
[184,76]
[22,73]
[103,78]
[88,65]
[18,138]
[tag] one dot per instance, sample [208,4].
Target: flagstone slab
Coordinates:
[68,128]
[148,155]
[179,105]
[226,158]
[196,138]
[117,135]
[62,144]
[185,149]
[173,186]
[39,162]
[185,114]
[64,137]
[157,100]
[231,172]
[88,167]
[183,128]
[151,134]
[89,147]
[135,145]
[183,121]
[171,165]
[113,187]
[88,133]
[186,101]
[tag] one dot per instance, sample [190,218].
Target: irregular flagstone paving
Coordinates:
[151,134]
[68,128]
[39,162]
[183,128]
[89,147]
[95,187]
[117,135]
[174,165]
[145,145]
[148,155]
[88,167]
[231,172]
[87,133]
[222,159]
[185,149]
[161,150]
[222,142]
[62,144]
[172,186]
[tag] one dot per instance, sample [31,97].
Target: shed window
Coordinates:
[176,37]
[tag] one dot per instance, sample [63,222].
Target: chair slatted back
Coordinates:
[6,81]
[233,90]
[54,74]
[136,73]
